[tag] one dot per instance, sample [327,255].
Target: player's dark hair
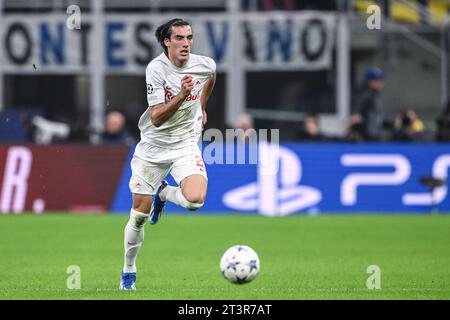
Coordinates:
[165,30]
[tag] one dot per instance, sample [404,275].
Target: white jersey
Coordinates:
[163,83]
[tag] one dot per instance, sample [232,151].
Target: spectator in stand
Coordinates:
[443,123]
[311,129]
[245,122]
[115,131]
[408,126]
[355,130]
[368,109]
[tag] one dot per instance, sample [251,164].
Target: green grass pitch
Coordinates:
[302,257]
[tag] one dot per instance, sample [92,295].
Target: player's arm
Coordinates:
[206,93]
[161,112]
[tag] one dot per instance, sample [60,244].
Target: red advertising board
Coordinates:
[80,178]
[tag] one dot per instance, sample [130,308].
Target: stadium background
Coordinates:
[278,61]
[339,205]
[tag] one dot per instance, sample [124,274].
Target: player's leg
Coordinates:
[144,179]
[133,238]
[134,230]
[190,195]
[194,188]
[190,173]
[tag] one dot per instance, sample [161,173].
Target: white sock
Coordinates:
[168,193]
[134,236]
[174,194]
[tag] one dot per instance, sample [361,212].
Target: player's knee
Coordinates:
[192,200]
[195,198]
[137,218]
[142,203]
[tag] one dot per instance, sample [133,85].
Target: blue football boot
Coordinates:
[128,281]
[157,205]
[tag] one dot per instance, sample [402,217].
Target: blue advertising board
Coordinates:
[324,178]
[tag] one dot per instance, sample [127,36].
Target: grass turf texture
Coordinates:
[324,257]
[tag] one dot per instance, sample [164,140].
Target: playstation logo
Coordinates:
[277,191]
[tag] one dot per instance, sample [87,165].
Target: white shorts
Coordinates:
[180,163]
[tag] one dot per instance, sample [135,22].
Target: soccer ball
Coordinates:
[239,264]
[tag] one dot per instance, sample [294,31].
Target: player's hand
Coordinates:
[204,119]
[186,85]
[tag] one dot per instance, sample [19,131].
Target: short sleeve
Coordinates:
[212,66]
[155,86]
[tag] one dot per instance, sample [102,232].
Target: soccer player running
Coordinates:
[179,84]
